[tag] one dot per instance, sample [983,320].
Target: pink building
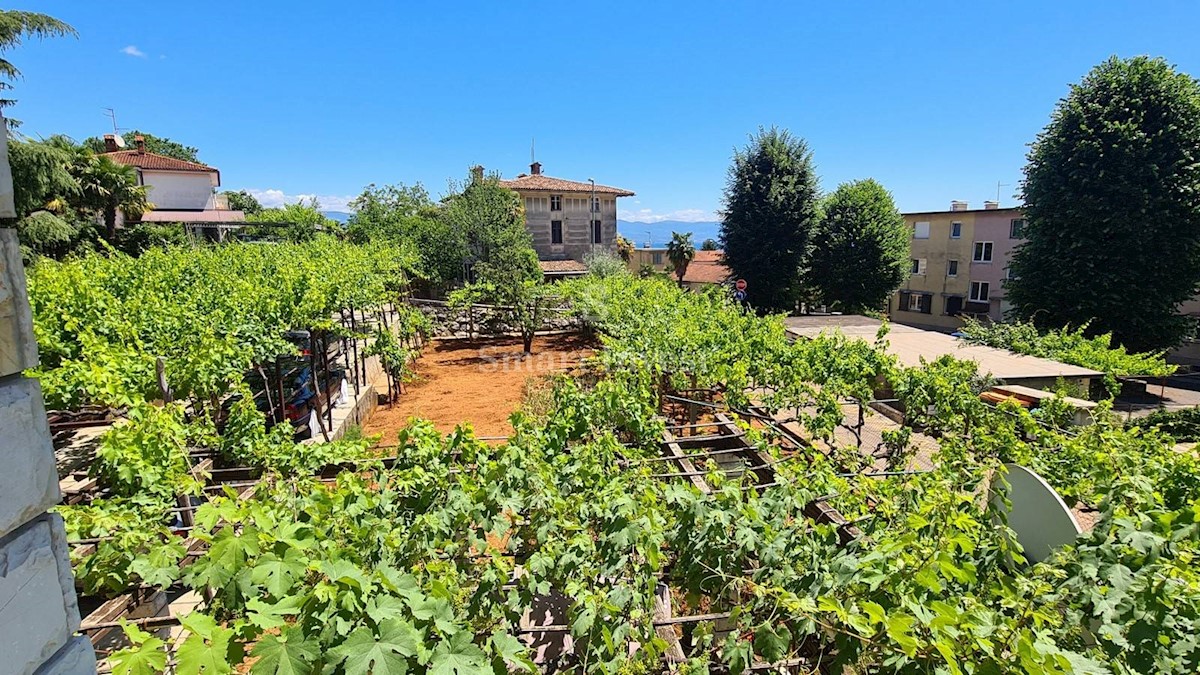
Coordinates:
[997,232]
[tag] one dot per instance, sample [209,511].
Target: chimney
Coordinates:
[140,142]
[958,206]
[477,173]
[991,206]
[110,143]
[535,168]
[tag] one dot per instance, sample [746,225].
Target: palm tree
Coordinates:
[681,253]
[16,24]
[108,187]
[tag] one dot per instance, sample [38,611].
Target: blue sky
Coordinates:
[937,102]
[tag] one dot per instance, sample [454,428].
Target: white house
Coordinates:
[181,191]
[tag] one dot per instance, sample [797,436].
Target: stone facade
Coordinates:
[484,320]
[38,611]
[561,217]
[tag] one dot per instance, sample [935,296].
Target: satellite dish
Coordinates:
[118,140]
[1036,513]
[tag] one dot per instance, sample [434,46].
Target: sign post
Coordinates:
[740,293]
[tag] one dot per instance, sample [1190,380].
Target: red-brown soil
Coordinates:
[476,381]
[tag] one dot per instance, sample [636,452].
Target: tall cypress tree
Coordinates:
[1112,198]
[861,250]
[771,209]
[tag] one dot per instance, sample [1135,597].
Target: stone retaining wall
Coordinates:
[484,320]
[39,615]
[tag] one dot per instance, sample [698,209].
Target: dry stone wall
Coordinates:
[484,320]
[39,616]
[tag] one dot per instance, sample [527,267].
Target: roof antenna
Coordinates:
[998,186]
[112,114]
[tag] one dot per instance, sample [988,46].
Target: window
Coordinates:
[597,232]
[921,231]
[955,230]
[954,305]
[556,232]
[918,265]
[951,268]
[556,202]
[916,302]
[1016,228]
[595,205]
[983,252]
[979,291]
[657,257]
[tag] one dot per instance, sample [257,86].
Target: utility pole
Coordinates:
[595,217]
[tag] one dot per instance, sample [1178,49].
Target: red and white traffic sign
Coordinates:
[740,284]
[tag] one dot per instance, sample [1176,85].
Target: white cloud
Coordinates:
[650,216]
[271,198]
[132,50]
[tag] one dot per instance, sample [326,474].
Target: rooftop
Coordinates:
[910,345]
[707,268]
[536,181]
[562,267]
[153,162]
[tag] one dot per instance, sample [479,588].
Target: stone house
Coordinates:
[567,219]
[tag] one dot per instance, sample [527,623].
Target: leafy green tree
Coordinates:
[243,201]
[490,216]
[159,145]
[404,213]
[709,244]
[297,222]
[1112,209]
[771,209]
[109,187]
[861,251]
[43,176]
[16,25]
[511,277]
[44,233]
[681,253]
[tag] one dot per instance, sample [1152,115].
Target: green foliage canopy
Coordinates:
[1112,213]
[861,250]
[771,208]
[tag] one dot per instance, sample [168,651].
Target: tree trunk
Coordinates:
[110,223]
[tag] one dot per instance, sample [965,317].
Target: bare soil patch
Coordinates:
[476,381]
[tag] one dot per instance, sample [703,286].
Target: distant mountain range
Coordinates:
[658,234]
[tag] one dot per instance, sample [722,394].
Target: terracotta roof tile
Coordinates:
[149,160]
[562,267]
[707,268]
[543,183]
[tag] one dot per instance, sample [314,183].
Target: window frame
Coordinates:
[952,272]
[981,247]
[953,233]
[556,240]
[917,229]
[656,258]
[556,202]
[920,266]
[597,231]
[985,286]
[1015,232]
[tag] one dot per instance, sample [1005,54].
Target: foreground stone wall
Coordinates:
[38,611]
[487,320]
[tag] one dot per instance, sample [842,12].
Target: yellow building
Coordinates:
[938,289]
[641,258]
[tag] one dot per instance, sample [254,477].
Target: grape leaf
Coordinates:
[289,653]
[459,656]
[364,654]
